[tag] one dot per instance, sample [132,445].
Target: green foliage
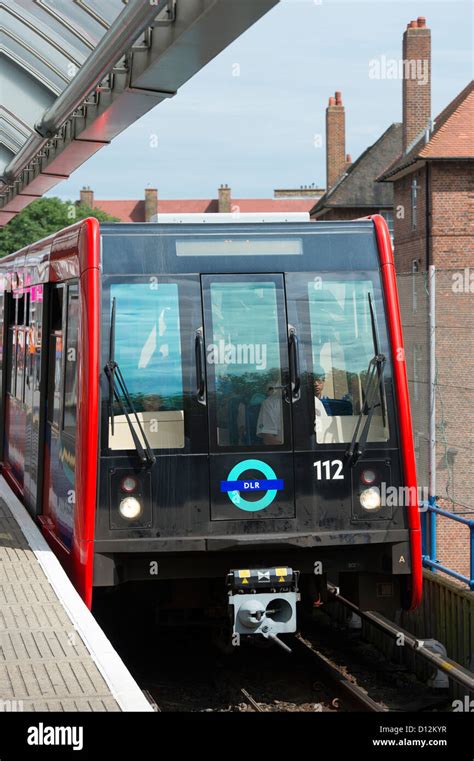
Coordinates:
[43,217]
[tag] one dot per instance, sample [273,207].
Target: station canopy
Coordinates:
[75,73]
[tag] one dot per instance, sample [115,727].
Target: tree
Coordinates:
[43,217]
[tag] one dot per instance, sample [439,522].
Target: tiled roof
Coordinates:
[358,187]
[134,211]
[452,137]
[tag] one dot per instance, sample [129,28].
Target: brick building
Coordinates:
[352,190]
[433,185]
[143,210]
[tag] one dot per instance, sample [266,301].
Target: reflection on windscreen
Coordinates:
[342,347]
[148,351]
[244,364]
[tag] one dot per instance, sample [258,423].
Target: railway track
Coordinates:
[351,694]
[327,671]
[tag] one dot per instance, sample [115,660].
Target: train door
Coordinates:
[245,353]
[15,415]
[61,405]
[32,391]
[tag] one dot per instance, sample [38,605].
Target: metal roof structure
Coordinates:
[76,73]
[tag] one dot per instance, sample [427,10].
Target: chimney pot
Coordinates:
[421,22]
[348,158]
[338,98]
[332,101]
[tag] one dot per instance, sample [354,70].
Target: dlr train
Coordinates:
[218,410]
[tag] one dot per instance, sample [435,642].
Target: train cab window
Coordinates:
[342,346]
[148,353]
[55,355]
[70,373]
[244,365]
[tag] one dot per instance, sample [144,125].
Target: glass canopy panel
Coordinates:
[41,45]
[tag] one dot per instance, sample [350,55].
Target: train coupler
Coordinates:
[263,601]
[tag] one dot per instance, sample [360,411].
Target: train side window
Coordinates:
[11,385]
[11,343]
[33,368]
[23,318]
[20,310]
[19,347]
[20,363]
[55,355]
[70,374]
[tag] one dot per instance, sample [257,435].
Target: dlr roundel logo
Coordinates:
[235,485]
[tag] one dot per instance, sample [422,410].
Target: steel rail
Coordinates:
[454,670]
[350,691]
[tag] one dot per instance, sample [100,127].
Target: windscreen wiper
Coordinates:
[373,387]
[375,338]
[115,377]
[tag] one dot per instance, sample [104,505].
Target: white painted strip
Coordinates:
[233,217]
[123,687]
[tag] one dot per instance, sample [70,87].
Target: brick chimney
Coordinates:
[87,197]
[416,79]
[335,140]
[151,203]
[224,202]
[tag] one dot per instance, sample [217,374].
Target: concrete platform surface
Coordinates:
[53,654]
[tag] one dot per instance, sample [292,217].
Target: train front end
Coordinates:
[255,430]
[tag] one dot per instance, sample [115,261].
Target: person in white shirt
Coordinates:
[323,422]
[270,416]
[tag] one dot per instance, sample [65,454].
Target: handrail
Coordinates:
[429,510]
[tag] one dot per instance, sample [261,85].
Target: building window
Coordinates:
[388,216]
[414,201]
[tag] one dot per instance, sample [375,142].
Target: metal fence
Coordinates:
[430,549]
[445,387]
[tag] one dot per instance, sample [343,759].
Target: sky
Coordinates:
[254,117]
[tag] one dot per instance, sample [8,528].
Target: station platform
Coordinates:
[53,654]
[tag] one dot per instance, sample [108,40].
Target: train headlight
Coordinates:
[370,498]
[128,484]
[368,476]
[130,508]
